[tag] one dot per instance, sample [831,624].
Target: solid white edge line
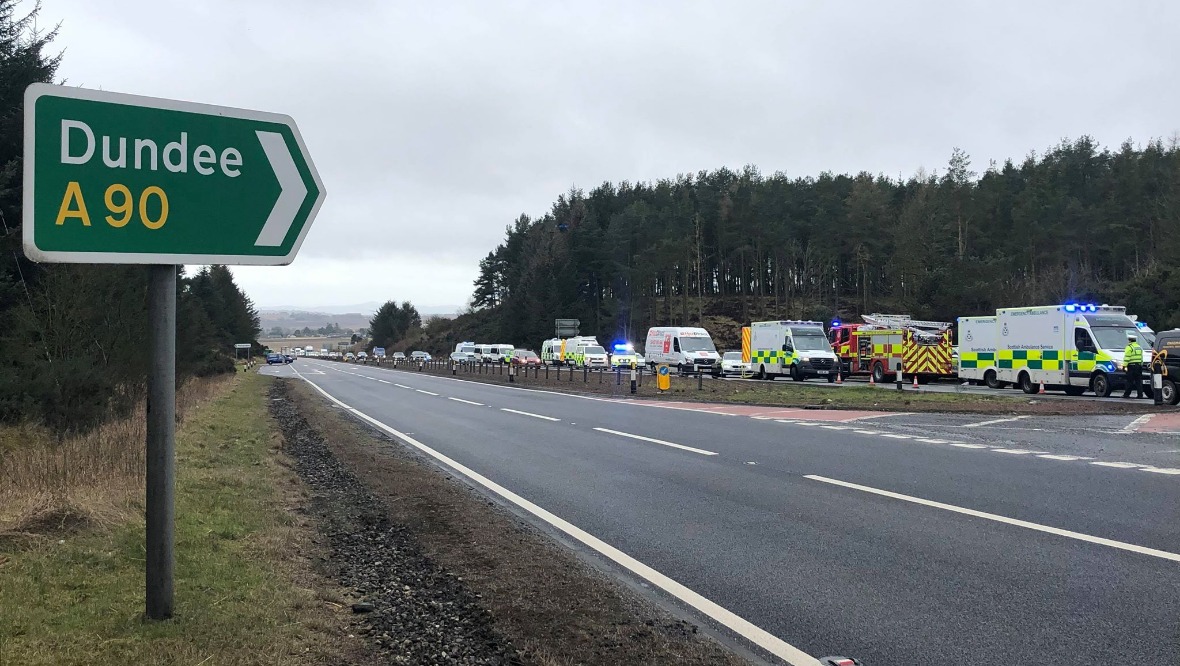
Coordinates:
[742,627]
[469,402]
[426,392]
[535,416]
[657,441]
[1142,550]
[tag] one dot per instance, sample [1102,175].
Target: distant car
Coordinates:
[272,359]
[731,363]
[399,356]
[419,356]
[350,356]
[289,358]
[525,357]
[462,357]
[361,357]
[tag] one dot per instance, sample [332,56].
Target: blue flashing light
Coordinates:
[1141,325]
[835,323]
[1092,307]
[622,346]
[1071,307]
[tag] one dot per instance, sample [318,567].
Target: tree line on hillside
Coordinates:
[1079,222]
[328,331]
[72,348]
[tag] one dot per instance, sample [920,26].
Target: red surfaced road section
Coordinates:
[1164,422]
[764,412]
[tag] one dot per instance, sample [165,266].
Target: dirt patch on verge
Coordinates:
[511,593]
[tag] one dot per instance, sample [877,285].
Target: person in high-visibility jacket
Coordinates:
[1133,361]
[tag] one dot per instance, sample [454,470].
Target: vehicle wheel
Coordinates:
[1169,393]
[1026,384]
[1075,390]
[923,380]
[831,379]
[762,372]
[796,373]
[992,382]
[878,373]
[1100,384]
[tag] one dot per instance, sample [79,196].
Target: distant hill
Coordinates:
[367,309]
[298,319]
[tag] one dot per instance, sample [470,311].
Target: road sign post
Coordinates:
[122,179]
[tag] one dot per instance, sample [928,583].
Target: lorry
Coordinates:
[887,343]
[1074,347]
[977,351]
[688,349]
[795,348]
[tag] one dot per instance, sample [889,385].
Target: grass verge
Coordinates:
[243,591]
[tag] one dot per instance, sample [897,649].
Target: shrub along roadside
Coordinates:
[243,591]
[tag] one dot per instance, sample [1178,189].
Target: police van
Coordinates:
[796,348]
[1073,347]
[688,349]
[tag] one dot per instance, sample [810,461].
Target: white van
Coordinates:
[480,352]
[499,353]
[977,351]
[688,349]
[796,348]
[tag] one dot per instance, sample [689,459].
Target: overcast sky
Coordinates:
[434,124]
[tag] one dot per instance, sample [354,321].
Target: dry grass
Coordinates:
[50,483]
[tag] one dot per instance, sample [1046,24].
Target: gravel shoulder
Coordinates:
[444,575]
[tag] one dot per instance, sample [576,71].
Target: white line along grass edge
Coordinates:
[726,618]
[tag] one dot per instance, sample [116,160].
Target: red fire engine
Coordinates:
[885,344]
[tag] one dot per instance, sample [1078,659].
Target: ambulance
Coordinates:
[1073,347]
[686,348]
[573,350]
[796,348]
[977,351]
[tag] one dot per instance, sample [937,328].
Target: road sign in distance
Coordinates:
[243,345]
[113,178]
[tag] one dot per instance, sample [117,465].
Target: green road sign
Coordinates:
[112,178]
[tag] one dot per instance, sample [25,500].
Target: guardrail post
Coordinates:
[511,378]
[633,386]
[454,368]
[701,380]
[1157,386]
[618,375]
[899,378]
[546,372]
[585,374]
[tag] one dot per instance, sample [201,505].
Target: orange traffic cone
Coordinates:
[839,377]
[872,381]
[1041,391]
[915,381]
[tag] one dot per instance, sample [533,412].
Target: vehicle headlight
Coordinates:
[806,359]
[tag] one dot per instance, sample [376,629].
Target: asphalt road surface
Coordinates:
[898,539]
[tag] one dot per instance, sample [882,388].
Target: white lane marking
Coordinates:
[789,421]
[880,416]
[727,618]
[402,386]
[867,432]
[384,381]
[831,427]
[961,445]
[991,422]
[1053,456]
[469,402]
[657,441]
[1120,465]
[806,423]
[1143,550]
[535,416]
[1133,426]
[1161,470]
[931,441]
[1015,452]
[896,436]
[426,392]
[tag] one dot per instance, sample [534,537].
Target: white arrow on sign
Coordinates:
[292,193]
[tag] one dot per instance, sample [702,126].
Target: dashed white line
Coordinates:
[402,386]
[1120,465]
[931,441]
[832,427]
[1015,452]
[1161,470]
[867,432]
[384,381]
[535,416]
[426,392]
[1054,456]
[980,424]
[653,440]
[962,445]
[469,402]
[1142,550]
[891,435]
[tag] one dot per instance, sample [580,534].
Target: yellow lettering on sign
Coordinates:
[143,211]
[124,208]
[73,194]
